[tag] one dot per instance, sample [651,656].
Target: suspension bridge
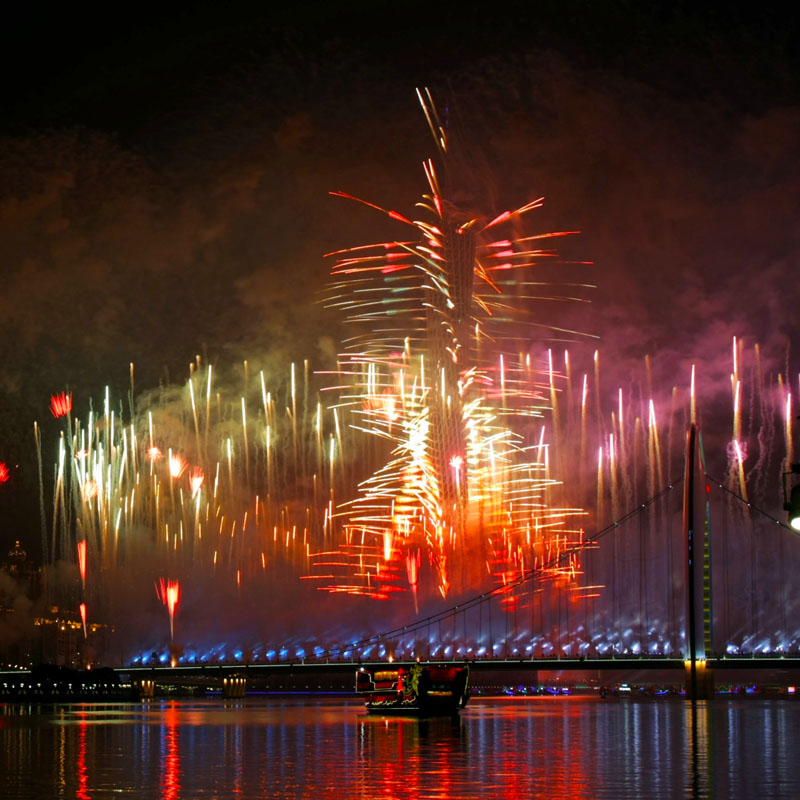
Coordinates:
[694,578]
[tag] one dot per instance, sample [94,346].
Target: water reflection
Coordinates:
[400,757]
[698,721]
[548,748]
[82,792]
[170,755]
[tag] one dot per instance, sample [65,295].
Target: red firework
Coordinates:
[169,594]
[5,475]
[61,404]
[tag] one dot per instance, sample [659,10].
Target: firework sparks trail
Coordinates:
[169,594]
[82,562]
[439,320]
[61,404]
[113,481]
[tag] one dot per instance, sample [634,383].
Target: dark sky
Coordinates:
[164,180]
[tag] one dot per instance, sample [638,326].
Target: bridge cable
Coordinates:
[741,499]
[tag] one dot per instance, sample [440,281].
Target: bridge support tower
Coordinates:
[699,677]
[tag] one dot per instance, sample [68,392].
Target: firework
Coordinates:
[82,561]
[438,367]
[235,502]
[61,404]
[169,594]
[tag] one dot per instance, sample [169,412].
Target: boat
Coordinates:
[424,690]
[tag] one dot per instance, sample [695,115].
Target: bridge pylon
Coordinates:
[699,677]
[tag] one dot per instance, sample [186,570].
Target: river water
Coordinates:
[539,747]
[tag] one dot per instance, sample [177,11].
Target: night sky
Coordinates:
[164,182]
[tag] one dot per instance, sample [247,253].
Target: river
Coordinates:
[311,747]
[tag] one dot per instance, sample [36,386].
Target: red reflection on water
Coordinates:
[520,749]
[170,755]
[82,792]
[395,772]
[407,754]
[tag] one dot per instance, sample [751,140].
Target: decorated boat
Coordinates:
[425,690]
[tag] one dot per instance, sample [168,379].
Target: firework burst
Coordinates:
[438,366]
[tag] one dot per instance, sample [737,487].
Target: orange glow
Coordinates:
[82,559]
[196,479]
